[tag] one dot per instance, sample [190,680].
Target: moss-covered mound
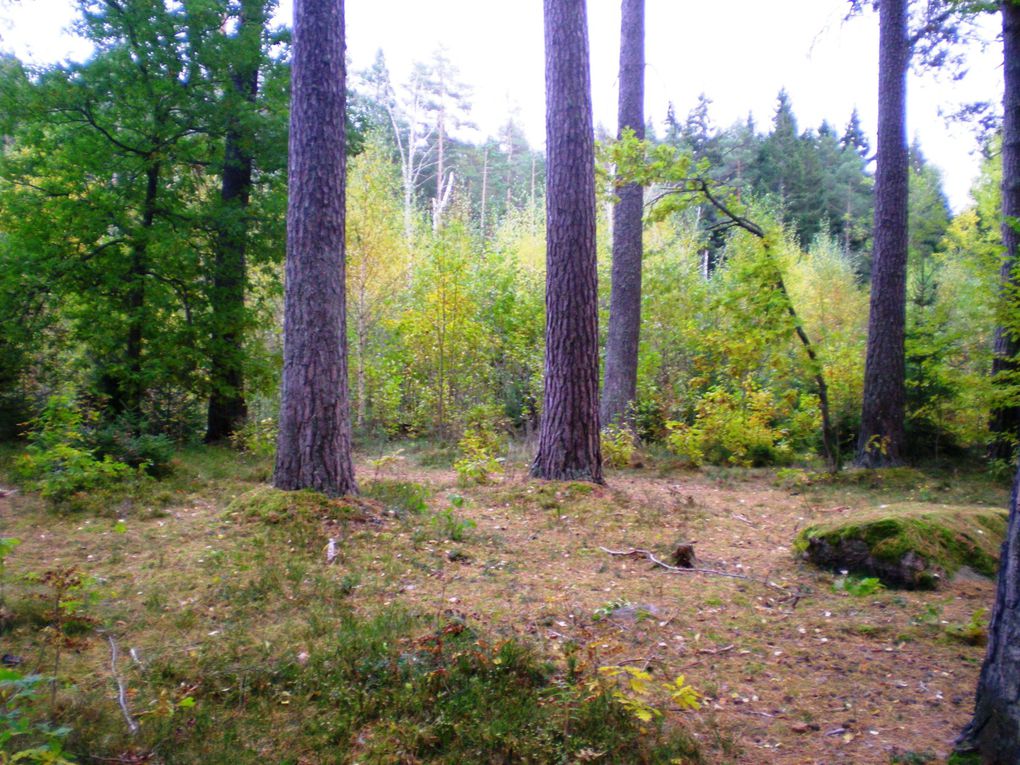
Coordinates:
[912,545]
[271,505]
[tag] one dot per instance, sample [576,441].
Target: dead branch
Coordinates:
[121,692]
[793,596]
[724,649]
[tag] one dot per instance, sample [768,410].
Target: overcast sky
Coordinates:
[739,53]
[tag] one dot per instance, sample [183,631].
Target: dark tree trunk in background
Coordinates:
[881,441]
[126,389]
[619,387]
[313,450]
[995,729]
[568,445]
[1005,425]
[227,407]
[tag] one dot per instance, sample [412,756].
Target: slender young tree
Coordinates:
[313,450]
[619,388]
[1005,425]
[994,730]
[568,445]
[881,438]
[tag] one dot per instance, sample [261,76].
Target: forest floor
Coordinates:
[825,676]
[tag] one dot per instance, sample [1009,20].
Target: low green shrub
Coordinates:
[398,497]
[257,437]
[750,428]
[18,726]
[617,446]
[58,462]
[478,449]
[126,441]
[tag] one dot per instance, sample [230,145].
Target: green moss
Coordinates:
[271,505]
[946,538]
[548,495]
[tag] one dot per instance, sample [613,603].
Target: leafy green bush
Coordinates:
[859,587]
[617,446]
[748,429]
[478,460]
[649,420]
[46,743]
[58,463]
[126,441]
[257,437]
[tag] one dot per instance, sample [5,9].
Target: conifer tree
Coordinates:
[313,450]
[620,384]
[568,447]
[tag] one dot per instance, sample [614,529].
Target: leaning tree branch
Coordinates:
[701,186]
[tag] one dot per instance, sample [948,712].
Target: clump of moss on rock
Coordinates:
[917,546]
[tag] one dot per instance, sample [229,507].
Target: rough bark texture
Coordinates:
[619,387]
[569,437]
[227,406]
[881,439]
[314,445]
[1005,424]
[995,729]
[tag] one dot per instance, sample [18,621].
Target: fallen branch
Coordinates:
[724,649]
[792,595]
[121,692]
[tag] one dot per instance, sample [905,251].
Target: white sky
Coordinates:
[740,53]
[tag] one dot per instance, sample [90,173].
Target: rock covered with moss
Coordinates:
[918,546]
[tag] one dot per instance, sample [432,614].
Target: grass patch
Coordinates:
[395,687]
[400,498]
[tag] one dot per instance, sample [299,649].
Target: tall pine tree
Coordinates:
[313,450]
[568,447]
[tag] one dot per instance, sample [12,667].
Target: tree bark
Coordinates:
[881,439]
[314,444]
[994,731]
[1005,423]
[227,406]
[619,388]
[568,446]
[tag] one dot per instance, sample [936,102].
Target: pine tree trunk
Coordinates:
[314,445]
[568,446]
[994,730]
[227,406]
[619,387]
[881,439]
[1005,424]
